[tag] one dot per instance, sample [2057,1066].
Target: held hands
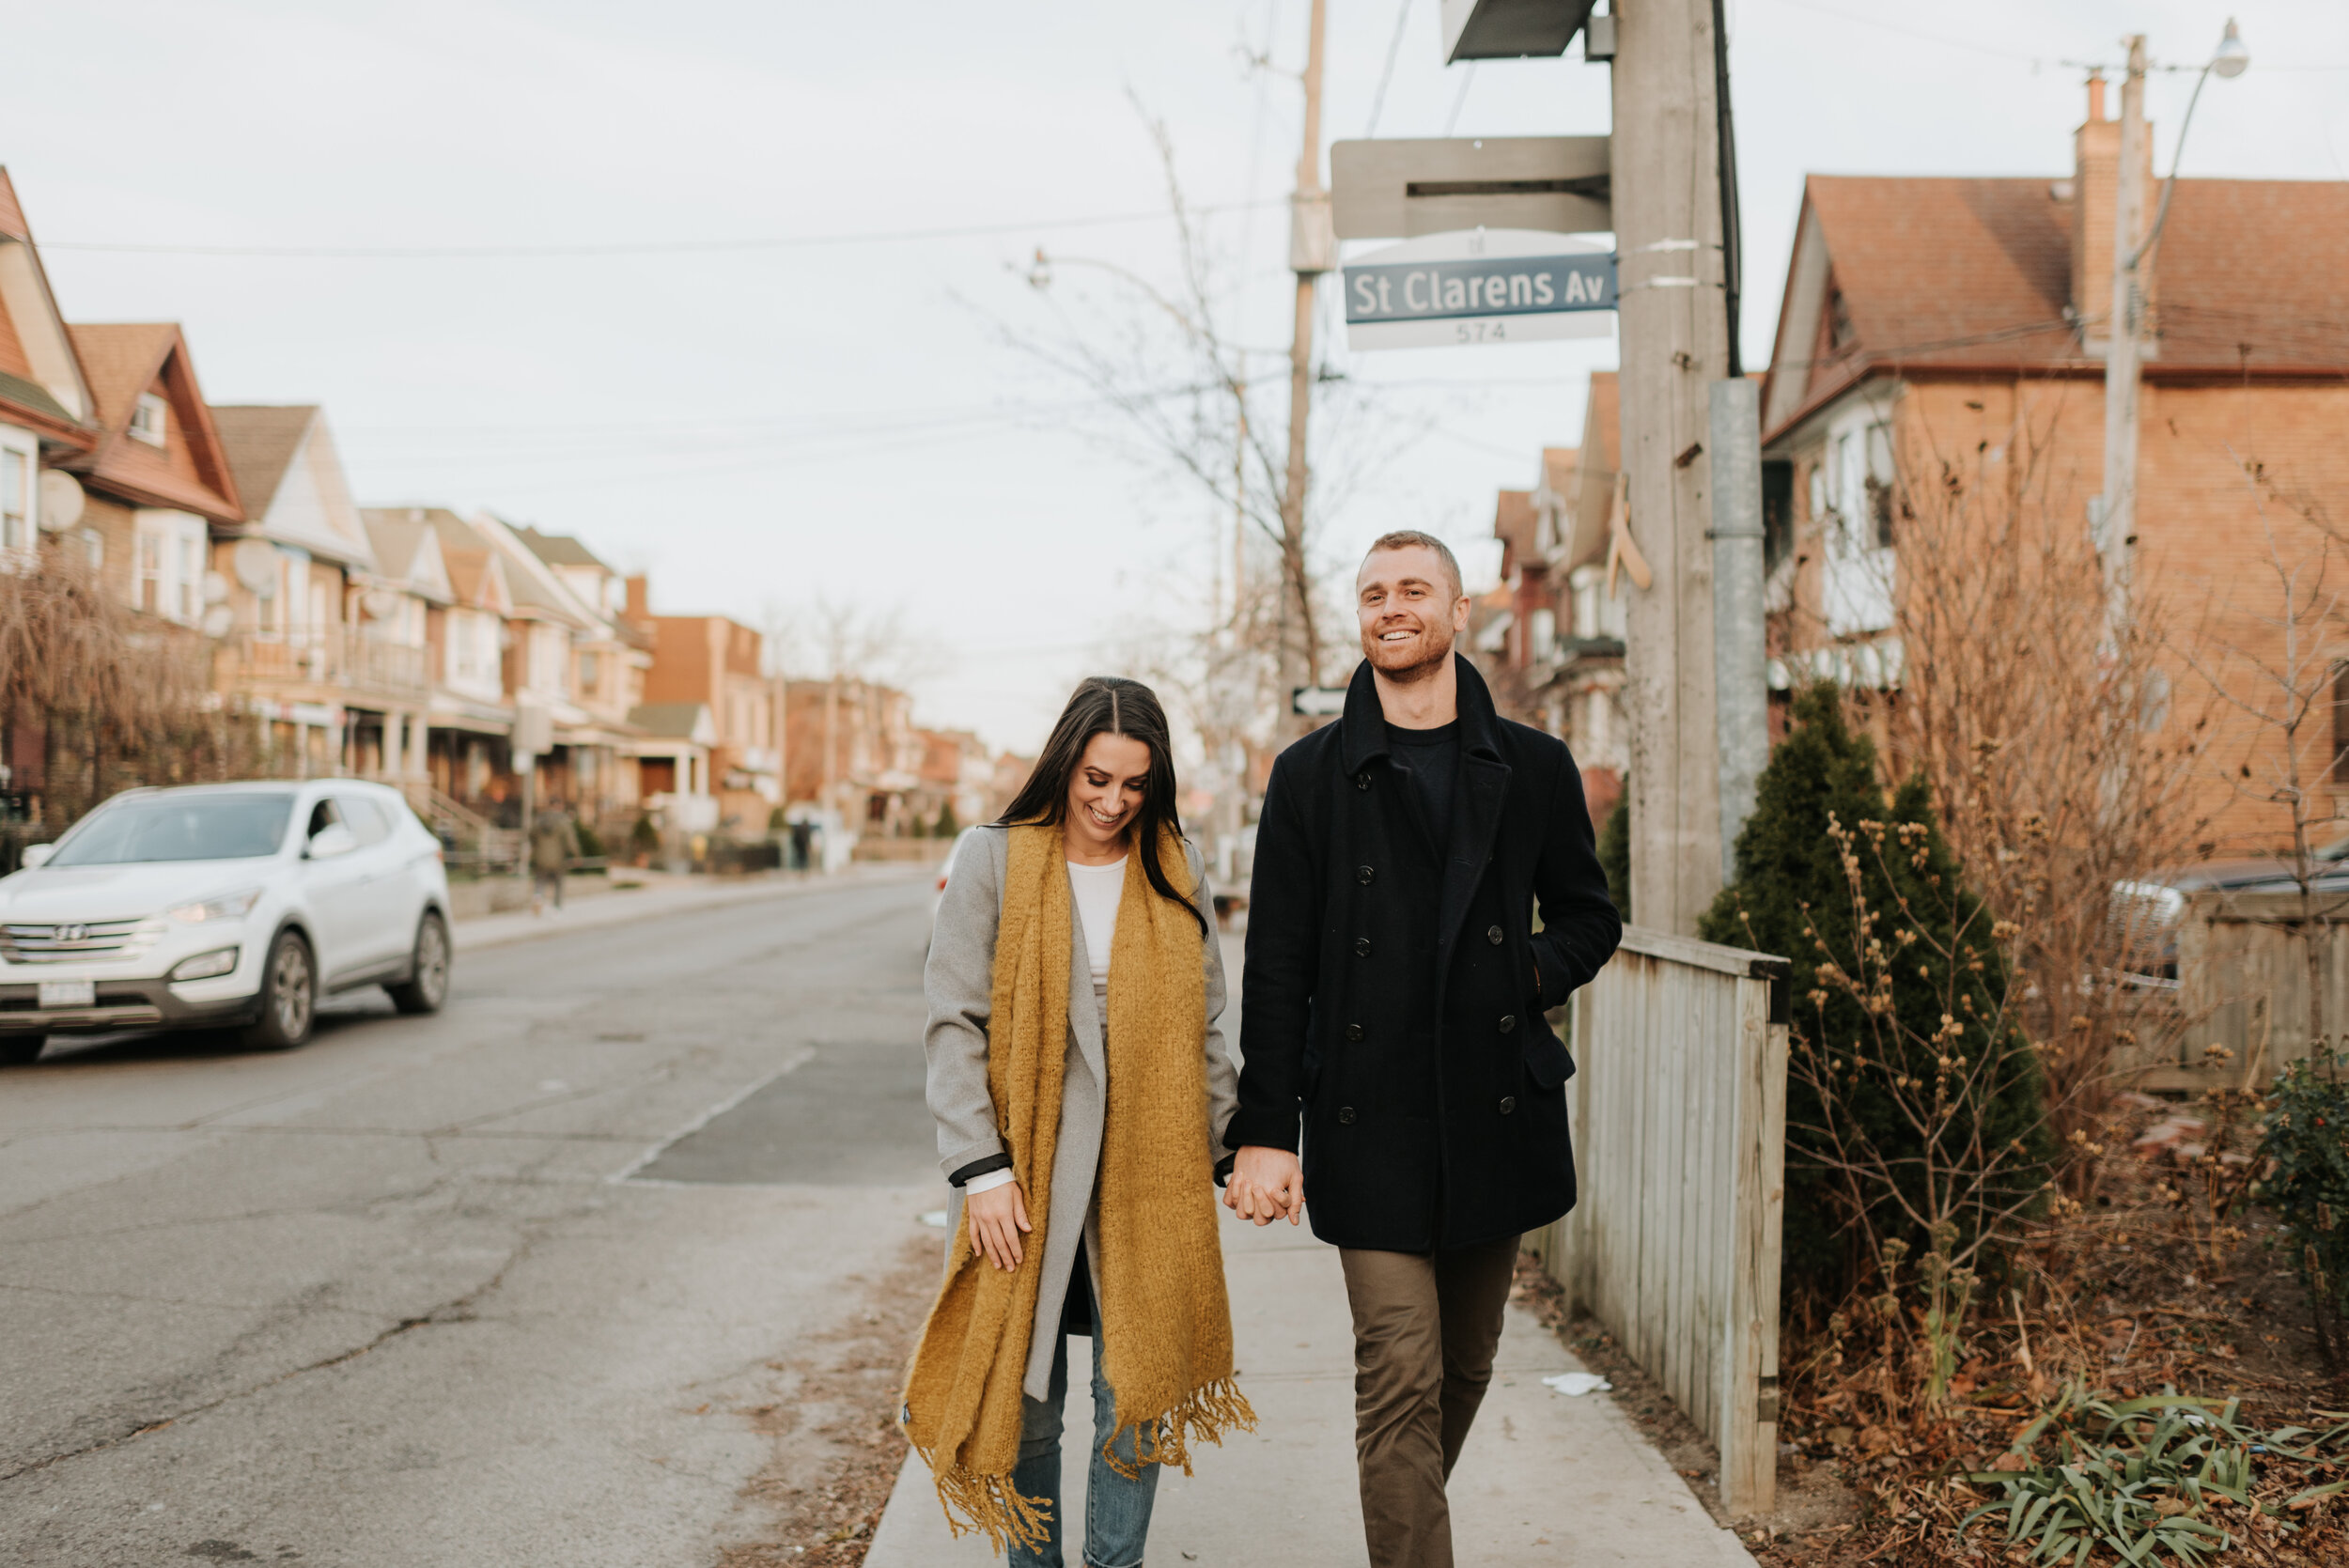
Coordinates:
[997,1216]
[1265,1185]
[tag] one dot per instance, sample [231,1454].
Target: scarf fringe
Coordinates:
[1205,1416]
[990,1505]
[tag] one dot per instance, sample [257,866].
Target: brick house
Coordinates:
[303,649]
[852,749]
[720,664]
[45,401]
[1929,317]
[610,656]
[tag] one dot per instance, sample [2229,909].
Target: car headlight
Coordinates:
[205,965]
[229,906]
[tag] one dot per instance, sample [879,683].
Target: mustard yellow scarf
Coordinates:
[1168,1354]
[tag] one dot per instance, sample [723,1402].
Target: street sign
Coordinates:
[1486,286]
[1510,29]
[1403,187]
[1318,702]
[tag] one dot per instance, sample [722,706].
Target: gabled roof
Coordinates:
[476,578]
[688,722]
[1899,273]
[1514,522]
[41,380]
[408,556]
[123,362]
[291,478]
[539,592]
[558,549]
[1597,462]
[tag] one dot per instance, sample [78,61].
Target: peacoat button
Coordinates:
[1346,1115]
[1508,1022]
[1492,935]
[1361,780]
[1363,873]
[1508,1103]
[1361,947]
[1353,1032]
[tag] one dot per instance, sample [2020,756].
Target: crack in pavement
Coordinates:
[457,1309]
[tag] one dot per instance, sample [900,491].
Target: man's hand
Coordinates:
[997,1216]
[1265,1185]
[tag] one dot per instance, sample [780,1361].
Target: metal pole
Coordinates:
[1675,343]
[1297,654]
[2116,538]
[1740,677]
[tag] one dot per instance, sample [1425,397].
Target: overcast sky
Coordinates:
[759,426]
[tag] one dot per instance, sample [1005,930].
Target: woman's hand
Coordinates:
[997,1216]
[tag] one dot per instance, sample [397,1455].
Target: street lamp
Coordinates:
[2115,514]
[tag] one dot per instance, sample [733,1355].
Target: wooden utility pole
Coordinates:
[2116,534]
[1673,318]
[1308,256]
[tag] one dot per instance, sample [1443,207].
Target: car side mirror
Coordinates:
[35,855]
[330,841]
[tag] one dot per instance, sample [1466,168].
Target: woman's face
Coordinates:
[1104,792]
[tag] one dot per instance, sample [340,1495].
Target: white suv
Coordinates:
[222,905]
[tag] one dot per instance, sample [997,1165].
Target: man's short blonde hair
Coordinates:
[1411,538]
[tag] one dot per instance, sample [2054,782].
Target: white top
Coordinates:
[1098,889]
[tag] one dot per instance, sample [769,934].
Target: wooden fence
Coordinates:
[1679,1114]
[2243,972]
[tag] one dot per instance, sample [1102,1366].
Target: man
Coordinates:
[553,845]
[1393,997]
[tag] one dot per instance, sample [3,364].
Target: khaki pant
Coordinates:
[1425,1327]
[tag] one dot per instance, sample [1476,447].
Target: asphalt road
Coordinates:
[522,1284]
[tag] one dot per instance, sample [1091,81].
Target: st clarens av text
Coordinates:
[1499,286]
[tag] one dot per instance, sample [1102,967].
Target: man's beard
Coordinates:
[1437,641]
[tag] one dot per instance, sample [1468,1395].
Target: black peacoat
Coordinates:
[1395,987]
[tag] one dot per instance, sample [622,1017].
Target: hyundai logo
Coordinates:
[67,934]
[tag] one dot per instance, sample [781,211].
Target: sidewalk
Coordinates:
[662,893]
[1545,1479]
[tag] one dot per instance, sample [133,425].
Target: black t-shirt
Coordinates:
[1433,757]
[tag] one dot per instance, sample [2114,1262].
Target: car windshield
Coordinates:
[180,828]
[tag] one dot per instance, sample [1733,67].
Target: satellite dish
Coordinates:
[218,619]
[255,562]
[380,603]
[215,588]
[60,501]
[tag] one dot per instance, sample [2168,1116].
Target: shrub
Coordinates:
[1915,1117]
[946,826]
[1614,853]
[590,841]
[644,839]
[2304,1151]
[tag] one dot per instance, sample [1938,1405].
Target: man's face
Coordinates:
[1409,611]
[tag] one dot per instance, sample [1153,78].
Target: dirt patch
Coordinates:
[834,1422]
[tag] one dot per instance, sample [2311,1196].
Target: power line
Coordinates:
[641,247]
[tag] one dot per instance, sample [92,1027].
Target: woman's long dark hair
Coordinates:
[1108,705]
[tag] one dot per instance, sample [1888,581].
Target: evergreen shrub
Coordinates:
[1916,1113]
[2304,1154]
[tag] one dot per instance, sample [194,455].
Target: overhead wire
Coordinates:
[642,247]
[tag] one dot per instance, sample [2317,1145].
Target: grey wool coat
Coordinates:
[960,982]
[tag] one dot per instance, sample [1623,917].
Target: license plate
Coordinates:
[69,993]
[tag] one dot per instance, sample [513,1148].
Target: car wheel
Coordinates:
[290,996]
[21,1051]
[427,985]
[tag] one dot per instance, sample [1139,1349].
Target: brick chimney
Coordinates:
[2095,171]
[640,592]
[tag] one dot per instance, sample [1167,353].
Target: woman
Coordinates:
[1074,950]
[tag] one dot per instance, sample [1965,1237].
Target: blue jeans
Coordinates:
[1117,1511]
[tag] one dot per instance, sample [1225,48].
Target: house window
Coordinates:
[2340,771]
[1880,485]
[1860,562]
[191,579]
[1778,514]
[93,546]
[588,673]
[16,495]
[150,419]
[150,581]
